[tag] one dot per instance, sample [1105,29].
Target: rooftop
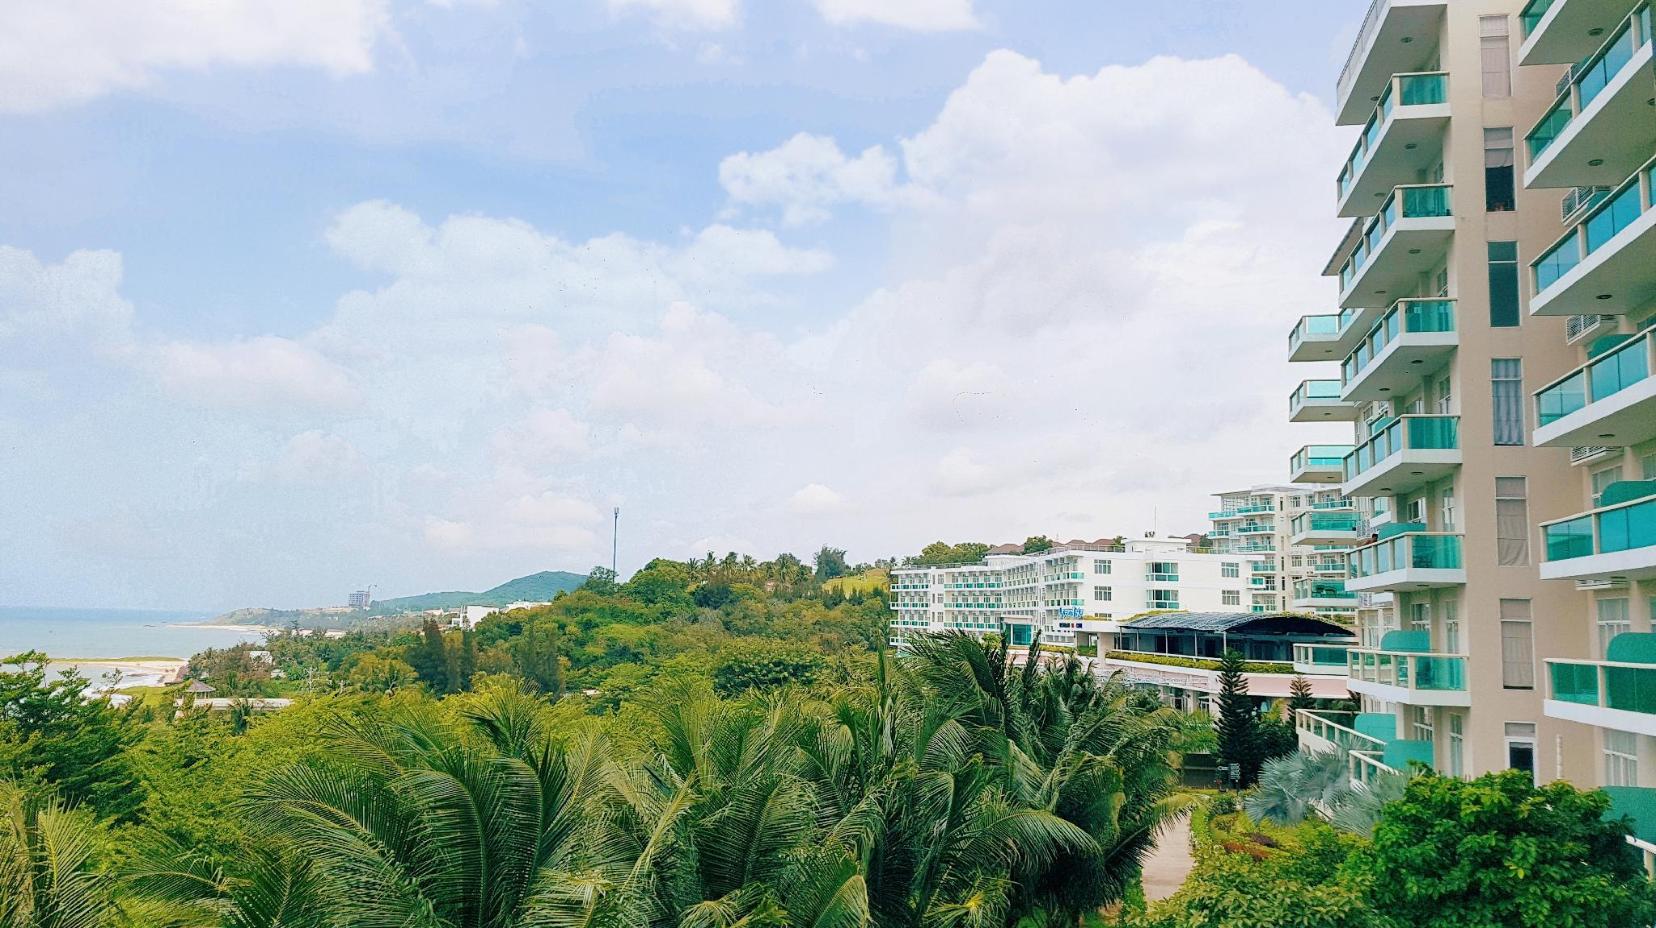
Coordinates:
[1217,622]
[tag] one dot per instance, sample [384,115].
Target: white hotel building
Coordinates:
[1067,593]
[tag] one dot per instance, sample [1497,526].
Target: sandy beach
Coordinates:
[142,671]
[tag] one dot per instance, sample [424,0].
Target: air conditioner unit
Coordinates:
[1581,454]
[1602,583]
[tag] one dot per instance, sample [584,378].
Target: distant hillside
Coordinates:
[533,588]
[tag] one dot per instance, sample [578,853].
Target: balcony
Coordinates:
[1616,540]
[1411,560]
[1408,453]
[1566,31]
[1396,672]
[1408,238]
[1610,400]
[1318,464]
[1413,339]
[1602,126]
[1324,659]
[1402,138]
[1324,528]
[1397,36]
[1255,528]
[1319,401]
[1325,337]
[1321,594]
[1603,264]
[1618,692]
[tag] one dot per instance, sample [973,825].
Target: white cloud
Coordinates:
[920,15]
[546,521]
[266,370]
[689,14]
[814,499]
[807,175]
[960,473]
[542,437]
[68,51]
[79,296]
[316,456]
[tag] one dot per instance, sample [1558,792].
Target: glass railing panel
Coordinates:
[1620,369]
[1549,128]
[1561,399]
[1627,527]
[1565,540]
[1429,316]
[1423,89]
[1533,13]
[1598,74]
[1435,552]
[1577,683]
[1631,689]
[1438,433]
[1426,202]
[1561,259]
[1613,216]
[1439,673]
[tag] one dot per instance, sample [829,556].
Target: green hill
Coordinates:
[533,588]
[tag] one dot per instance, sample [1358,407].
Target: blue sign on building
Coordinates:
[1070,613]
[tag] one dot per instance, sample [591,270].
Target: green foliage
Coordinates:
[1238,726]
[535,655]
[941,552]
[50,875]
[1197,663]
[1036,544]
[233,671]
[766,669]
[600,580]
[374,672]
[1274,737]
[1500,851]
[535,588]
[830,563]
[1299,696]
[51,734]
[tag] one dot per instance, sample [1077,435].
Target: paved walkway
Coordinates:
[1168,865]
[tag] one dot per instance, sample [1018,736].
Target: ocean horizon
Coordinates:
[67,633]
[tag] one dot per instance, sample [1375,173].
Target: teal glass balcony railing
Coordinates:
[1408,433]
[1628,687]
[1255,528]
[1532,14]
[1323,656]
[1630,363]
[1322,326]
[1618,211]
[1312,390]
[1322,589]
[1589,79]
[1404,90]
[1323,522]
[1406,317]
[1408,551]
[1622,527]
[1409,670]
[1318,457]
[1413,202]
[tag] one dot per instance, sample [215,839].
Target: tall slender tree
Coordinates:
[1237,726]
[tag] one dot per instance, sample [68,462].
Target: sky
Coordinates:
[302,296]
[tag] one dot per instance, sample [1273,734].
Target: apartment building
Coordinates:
[1593,152]
[1067,593]
[1437,337]
[1294,540]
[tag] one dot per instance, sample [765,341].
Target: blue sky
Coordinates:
[320,294]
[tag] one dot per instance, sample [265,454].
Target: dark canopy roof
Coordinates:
[1218,622]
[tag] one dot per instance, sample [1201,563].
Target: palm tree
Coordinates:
[48,875]
[1295,786]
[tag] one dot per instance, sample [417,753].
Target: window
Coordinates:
[1451,629]
[1497,56]
[1621,758]
[1499,195]
[1503,285]
[1612,621]
[1517,645]
[1647,465]
[1602,478]
[1520,742]
[1511,521]
[1507,387]
[1102,594]
[1230,569]
[1457,746]
[1422,724]
[1231,597]
[1447,510]
[1445,397]
[1420,617]
[1101,567]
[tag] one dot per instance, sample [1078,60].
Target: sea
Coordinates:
[108,634]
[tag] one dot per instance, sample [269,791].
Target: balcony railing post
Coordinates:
[1603,674]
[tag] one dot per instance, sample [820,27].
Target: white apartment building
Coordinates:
[1294,541]
[1067,593]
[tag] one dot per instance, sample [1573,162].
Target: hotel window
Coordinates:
[1451,629]
[1520,743]
[1602,478]
[1420,617]
[1496,49]
[1101,567]
[1621,758]
[1230,569]
[1647,465]
[1457,746]
[1231,597]
[1511,521]
[1445,397]
[1447,510]
[1499,195]
[1421,722]
[1102,594]
[1517,645]
[1503,285]
[1613,620]
[1507,391]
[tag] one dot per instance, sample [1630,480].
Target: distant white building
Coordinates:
[1294,540]
[361,599]
[1068,593]
[471,615]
